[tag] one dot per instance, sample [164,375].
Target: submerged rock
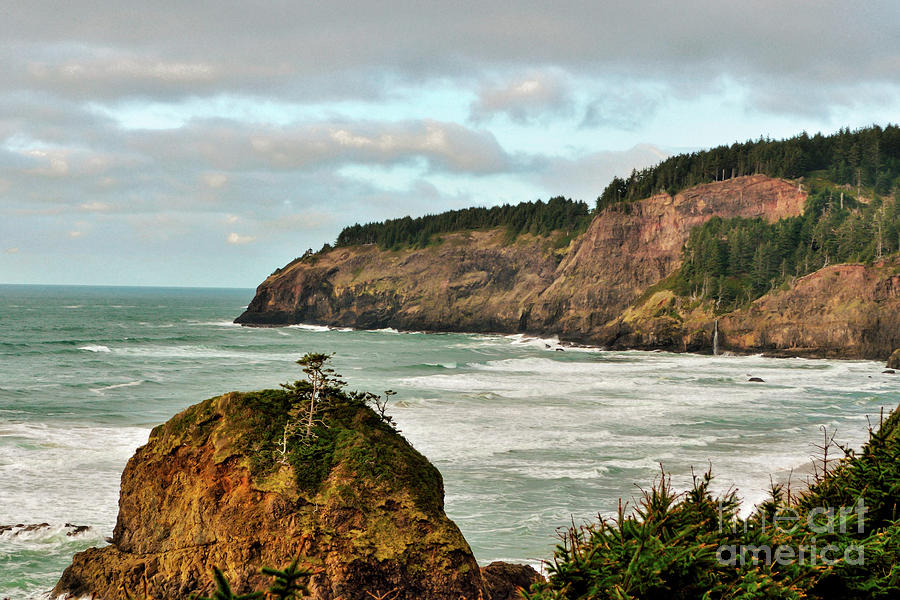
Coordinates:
[364,510]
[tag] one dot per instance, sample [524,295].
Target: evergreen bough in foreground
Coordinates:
[694,546]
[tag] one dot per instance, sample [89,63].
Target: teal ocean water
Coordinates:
[527,437]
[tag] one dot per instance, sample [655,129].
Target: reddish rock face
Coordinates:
[630,247]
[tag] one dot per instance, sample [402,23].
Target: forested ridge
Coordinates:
[868,157]
[851,214]
[538,218]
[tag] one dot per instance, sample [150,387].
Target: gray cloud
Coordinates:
[75,184]
[320,50]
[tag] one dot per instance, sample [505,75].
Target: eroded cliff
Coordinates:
[480,282]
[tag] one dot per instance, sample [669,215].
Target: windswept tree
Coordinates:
[310,397]
[321,378]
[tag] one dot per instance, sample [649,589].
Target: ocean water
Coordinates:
[527,437]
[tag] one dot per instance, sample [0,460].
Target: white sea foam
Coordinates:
[220,323]
[95,348]
[100,390]
[308,327]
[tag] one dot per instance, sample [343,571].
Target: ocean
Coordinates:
[529,435]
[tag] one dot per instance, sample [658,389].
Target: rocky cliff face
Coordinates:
[476,281]
[631,247]
[841,311]
[367,516]
[472,281]
[596,290]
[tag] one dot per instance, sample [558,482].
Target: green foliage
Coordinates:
[223,591]
[869,157]
[290,582]
[538,218]
[670,546]
[666,549]
[735,261]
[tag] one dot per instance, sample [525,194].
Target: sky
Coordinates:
[207,143]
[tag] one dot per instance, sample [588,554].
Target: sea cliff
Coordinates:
[605,288]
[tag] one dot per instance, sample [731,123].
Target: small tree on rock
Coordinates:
[314,392]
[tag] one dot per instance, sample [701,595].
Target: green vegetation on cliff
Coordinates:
[867,157]
[694,545]
[538,218]
[735,261]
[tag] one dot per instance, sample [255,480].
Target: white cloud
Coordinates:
[12,250]
[76,234]
[215,180]
[531,97]
[237,239]
[94,206]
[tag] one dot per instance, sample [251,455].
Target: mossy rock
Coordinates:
[365,509]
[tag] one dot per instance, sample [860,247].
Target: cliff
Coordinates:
[361,507]
[840,311]
[480,282]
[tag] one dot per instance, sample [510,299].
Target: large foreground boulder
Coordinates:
[360,506]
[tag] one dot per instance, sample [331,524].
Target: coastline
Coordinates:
[557,339]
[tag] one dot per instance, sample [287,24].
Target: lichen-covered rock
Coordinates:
[367,513]
[894,361]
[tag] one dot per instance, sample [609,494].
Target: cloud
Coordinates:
[626,109]
[523,99]
[95,206]
[228,145]
[75,234]
[237,239]
[345,49]
[13,250]
[215,180]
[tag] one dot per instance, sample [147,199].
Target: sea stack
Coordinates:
[365,511]
[894,361]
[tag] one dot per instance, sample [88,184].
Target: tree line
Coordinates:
[868,157]
[538,218]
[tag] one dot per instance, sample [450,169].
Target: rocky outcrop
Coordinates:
[894,360]
[477,281]
[840,311]
[366,514]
